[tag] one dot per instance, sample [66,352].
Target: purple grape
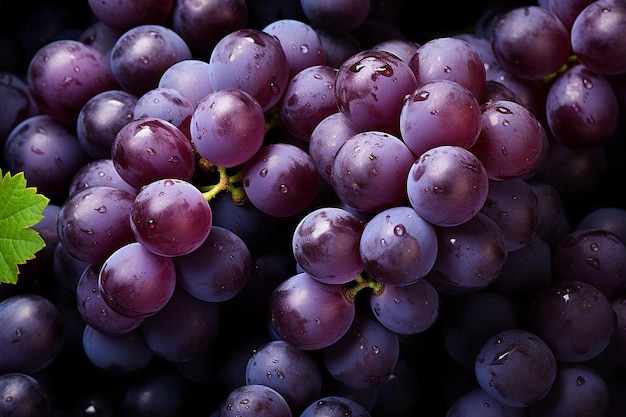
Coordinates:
[66,268]
[125,14]
[190,77]
[116,354]
[440,112]
[63,75]
[254,400]
[149,149]
[369,171]
[218,269]
[335,406]
[93,222]
[596,36]
[170,217]
[477,402]
[253,61]
[95,311]
[163,390]
[530,42]
[450,58]
[100,118]
[516,367]
[531,94]
[100,36]
[553,221]
[611,219]
[16,102]
[23,395]
[280,180]
[165,104]
[338,46]
[495,90]
[32,334]
[574,318]
[178,341]
[292,372]
[227,127]
[566,10]
[135,282]
[338,17]
[447,176]
[402,48]
[99,172]
[308,313]
[398,247]
[376,71]
[143,53]
[365,356]
[482,45]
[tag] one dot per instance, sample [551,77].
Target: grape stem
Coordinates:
[226,183]
[362,281]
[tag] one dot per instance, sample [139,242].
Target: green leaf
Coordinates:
[20,209]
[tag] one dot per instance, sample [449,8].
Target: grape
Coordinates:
[308,313]
[116,354]
[596,36]
[369,171]
[170,217]
[16,102]
[292,372]
[440,112]
[218,269]
[530,42]
[530,93]
[32,333]
[338,46]
[482,45]
[66,268]
[150,149]
[611,219]
[365,356]
[280,179]
[63,75]
[93,222]
[99,172]
[478,402]
[581,108]
[23,395]
[397,246]
[566,10]
[100,118]
[123,15]
[100,36]
[516,367]
[447,176]
[161,393]
[335,406]
[227,127]
[553,221]
[325,245]
[143,53]
[402,48]
[254,400]
[253,61]
[135,282]
[339,17]
[376,71]
[190,77]
[165,104]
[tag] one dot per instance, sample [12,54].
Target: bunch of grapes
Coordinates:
[307,208]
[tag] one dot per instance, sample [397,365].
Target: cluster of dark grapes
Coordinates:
[309,208]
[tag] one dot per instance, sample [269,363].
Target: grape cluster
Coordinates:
[305,208]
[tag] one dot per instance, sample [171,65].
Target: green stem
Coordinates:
[226,183]
[359,283]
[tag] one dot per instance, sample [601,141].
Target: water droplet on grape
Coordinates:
[36,150]
[580,381]
[173,159]
[587,83]
[399,230]
[422,96]
[151,151]
[151,223]
[375,349]
[591,120]
[144,60]
[274,89]
[101,209]
[304,48]
[284,189]
[263,172]
[594,262]
[168,183]
[503,110]
[447,69]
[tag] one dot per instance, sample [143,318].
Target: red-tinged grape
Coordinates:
[143,53]
[100,118]
[597,34]
[178,341]
[253,61]
[15,101]
[170,217]
[149,149]
[530,42]
[308,313]
[254,400]
[95,311]
[450,58]
[325,244]
[582,108]
[24,395]
[292,372]
[406,309]
[227,127]
[203,24]
[365,356]
[470,255]
[516,367]
[574,318]
[165,104]
[116,354]
[125,14]
[511,141]
[48,153]
[280,180]
[93,222]
[63,75]
[449,177]
[369,171]
[370,87]
[99,172]
[32,334]
[218,270]
[440,112]
[397,246]
[336,17]
[335,406]
[308,99]
[135,282]
[190,77]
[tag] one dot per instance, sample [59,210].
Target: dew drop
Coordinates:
[375,349]
[284,189]
[580,381]
[594,247]
[399,230]
[151,223]
[101,209]
[36,150]
[447,69]
[144,60]
[274,89]
[151,151]
[587,83]
[594,262]
[304,48]
[263,172]
[591,120]
[173,159]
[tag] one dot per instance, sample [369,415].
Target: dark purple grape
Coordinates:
[254,400]
[335,406]
[21,395]
[116,354]
[611,219]
[15,101]
[166,104]
[337,17]
[125,14]
[338,46]
[477,402]
[553,221]
[566,10]
[159,393]
[100,36]
[516,367]
[32,334]
[66,268]
[99,172]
